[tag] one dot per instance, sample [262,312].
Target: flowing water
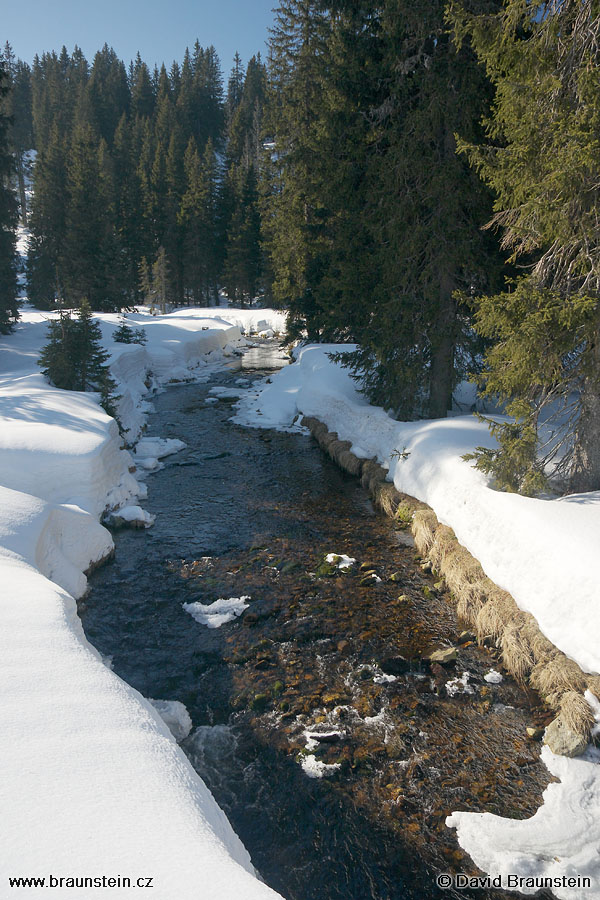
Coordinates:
[335,759]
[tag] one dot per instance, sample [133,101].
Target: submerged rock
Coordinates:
[444,657]
[395,665]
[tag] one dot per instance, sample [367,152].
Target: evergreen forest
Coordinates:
[419,179]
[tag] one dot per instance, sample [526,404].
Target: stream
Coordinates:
[334,747]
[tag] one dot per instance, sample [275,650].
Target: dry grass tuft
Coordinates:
[467,582]
[337,447]
[327,439]
[593,683]
[516,652]
[541,648]
[319,431]
[424,525]
[444,542]
[372,474]
[555,675]
[387,498]
[349,462]
[576,713]
[495,614]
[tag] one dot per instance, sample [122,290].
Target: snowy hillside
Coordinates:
[93,782]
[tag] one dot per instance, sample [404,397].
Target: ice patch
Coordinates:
[157,448]
[314,768]
[341,560]
[226,393]
[385,679]
[223,610]
[459,685]
[175,716]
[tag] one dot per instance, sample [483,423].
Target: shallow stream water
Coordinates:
[247,512]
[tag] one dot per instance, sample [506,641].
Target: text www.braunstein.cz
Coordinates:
[80,881]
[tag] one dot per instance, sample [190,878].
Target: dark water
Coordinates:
[251,512]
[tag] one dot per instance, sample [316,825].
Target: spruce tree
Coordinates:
[425,214]
[243,263]
[74,359]
[541,159]
[8,222]
[295,208]
[47,223]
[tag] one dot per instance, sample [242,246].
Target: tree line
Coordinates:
[418,178]
[144,183]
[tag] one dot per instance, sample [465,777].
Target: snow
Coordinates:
[459,685]
[341,560]
[561,839]
[175,716]
[314,768]
[543,551]
[92,779]
[219,613]
[157,447]
[132,513]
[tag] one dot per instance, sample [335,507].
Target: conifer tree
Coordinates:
[74,359]
[17,107]
[294,214]
[8,221]
[91,254]
[425,214]
[243,263]
[47,223]
[541,159]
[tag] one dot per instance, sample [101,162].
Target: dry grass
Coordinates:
[372,475]
[555,675]
[593,683]
[327,439]
[310,422]
[350,463]
[541,648]
[424,525]
[516,652]
[386,498]
[495,614]
[444,542]
[337,447]
[576,713]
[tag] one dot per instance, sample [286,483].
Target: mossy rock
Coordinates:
[403,516]
[259,702]
[327,569]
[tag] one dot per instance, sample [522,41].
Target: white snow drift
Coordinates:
[93,783]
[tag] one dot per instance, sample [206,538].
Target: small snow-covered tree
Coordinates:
[125,334]
[74,359]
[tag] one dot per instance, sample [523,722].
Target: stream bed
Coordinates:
[334,747]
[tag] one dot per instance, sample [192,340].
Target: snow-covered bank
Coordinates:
[544,552]
[93,783]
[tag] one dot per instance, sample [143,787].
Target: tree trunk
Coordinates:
[22,195]
[441,374]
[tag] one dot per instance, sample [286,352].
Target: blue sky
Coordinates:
[159,29]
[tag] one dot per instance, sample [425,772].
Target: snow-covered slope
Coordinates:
[93,784]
